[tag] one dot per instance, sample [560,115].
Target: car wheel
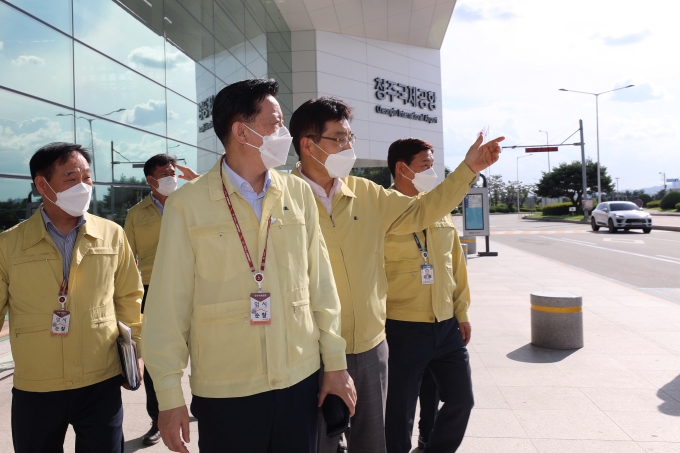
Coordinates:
[593,224]
[612,229]
[646,230]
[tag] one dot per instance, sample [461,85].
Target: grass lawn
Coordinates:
[557,217]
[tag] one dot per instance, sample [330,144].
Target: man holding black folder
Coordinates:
[243,285]
[67,277]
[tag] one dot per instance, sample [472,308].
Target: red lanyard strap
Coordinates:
[258,276]
[63,292]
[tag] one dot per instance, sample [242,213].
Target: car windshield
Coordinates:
[623,207]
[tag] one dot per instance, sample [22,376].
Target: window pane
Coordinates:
[35,59]
[186,155]
[207,159]
[201,10]
[186,77]
[106,88]
[189,35]
[18,201]
[107,27]
[54,12]
[25,126]
[129,145]
[150,13]
[182,116]
[226,31]
[235,10]
[228,67]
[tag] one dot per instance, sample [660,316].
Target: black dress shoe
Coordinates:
[153,436]
[422,442]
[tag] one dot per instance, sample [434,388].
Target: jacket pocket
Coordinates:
[38,356]
[302,333]
[100,332]
[229,348]
[403,281]
[219,253]
[98,267]
[288,237]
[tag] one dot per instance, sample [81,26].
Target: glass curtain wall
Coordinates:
[128,79]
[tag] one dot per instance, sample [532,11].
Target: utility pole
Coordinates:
[547,143]
[618,196]
[583,171]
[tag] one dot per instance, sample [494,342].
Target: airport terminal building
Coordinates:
[135,78]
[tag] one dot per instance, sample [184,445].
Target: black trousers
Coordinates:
[151,400]
[277,421]
[40,420]
[438,347]
[429,405]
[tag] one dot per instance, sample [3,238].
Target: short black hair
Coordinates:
[159,160]
[240,101]
[43,161]
[310,118]
[405,150]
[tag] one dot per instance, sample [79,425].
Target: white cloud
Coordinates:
[623,40]
[24,60]
[150,112]
[639,93]
[2,45]
[468,14]
[151,57]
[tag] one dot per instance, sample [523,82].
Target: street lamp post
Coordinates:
[664,181]
[520,157]
[618,197]
[547,143]
[597,128]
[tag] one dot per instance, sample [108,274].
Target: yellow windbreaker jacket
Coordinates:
[201,285]
[104,286]
[142,227]
[407,298]
[362,214]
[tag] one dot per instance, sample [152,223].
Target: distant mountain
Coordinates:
[652,190]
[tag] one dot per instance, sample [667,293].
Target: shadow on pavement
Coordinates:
[533,354]
[136,444]
[670,393]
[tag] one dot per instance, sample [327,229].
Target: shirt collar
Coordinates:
[158,204]
[48,222]
[317,189]
[241,184]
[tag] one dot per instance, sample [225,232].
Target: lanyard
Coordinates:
[420,247]
[63,292]
[258,276]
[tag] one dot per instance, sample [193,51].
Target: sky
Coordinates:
[503,64]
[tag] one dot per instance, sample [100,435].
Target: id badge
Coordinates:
[260,309]
[60,322]
[426,274]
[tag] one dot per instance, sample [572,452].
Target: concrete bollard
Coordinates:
[465,252]
[471,242]
[556,320]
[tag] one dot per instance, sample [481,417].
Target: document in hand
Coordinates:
[129,363]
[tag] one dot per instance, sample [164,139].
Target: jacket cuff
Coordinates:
[462,316]
[465,173]
[170,398]
[334,362]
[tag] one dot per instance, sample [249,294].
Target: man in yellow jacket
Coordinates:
[427,321]
[67,277]
[355,216]
[242,284]
[143,227]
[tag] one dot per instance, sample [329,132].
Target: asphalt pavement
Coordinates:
[649,262]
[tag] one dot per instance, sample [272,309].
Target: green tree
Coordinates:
[497,189]
[565,180]
[379,175]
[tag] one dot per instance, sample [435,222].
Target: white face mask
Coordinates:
[73,201]
[274,148]
[423,181]
[166,185]
[340,164]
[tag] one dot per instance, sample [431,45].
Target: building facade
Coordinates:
[133,78]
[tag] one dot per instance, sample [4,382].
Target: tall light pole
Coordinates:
[597,126]
[663,174]
[547,143]
[520,157]
[618,197]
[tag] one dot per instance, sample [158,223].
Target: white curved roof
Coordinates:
[416,22]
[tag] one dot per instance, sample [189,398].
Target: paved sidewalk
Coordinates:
[619,394]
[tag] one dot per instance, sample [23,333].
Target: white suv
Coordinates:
[617,215]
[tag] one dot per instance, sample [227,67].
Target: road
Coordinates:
[649,262]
